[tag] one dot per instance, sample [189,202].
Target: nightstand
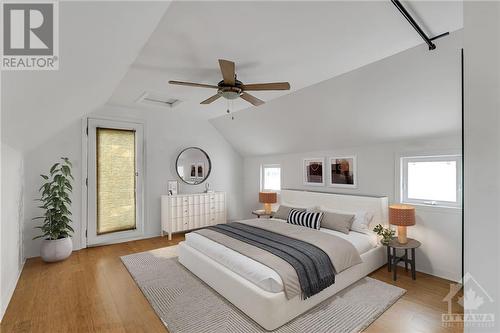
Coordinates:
[261,212]
[393,259]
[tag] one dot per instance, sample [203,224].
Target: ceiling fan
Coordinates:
[231,88]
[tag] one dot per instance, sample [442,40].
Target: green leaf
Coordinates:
[55,201]
[67,161]
[66,170]
[54,168]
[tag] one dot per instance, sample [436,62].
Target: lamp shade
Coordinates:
[268,197]
[401,215]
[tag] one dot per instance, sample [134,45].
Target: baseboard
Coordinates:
[442,274]
[436,272]
[124,240]
[10,291]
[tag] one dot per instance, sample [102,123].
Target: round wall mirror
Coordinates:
[193,165]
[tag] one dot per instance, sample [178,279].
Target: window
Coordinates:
[432,180]
[270,177]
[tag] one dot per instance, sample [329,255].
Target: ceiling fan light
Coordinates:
[230,94]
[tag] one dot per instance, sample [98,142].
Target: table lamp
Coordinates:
[402,216]
[268,198]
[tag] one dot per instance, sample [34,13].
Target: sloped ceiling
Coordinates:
[98,42]
[303,42]
[102,55]
[411,95]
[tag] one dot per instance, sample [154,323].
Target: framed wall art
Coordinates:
[173,187]
[314,171]
[200,170]
[343,172]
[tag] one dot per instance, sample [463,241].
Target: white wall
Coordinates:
[482,155]
[12,259]
[438,229]
[166,134]
[1,220]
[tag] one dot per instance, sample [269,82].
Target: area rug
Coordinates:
[185,304]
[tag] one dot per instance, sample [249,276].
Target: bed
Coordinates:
[256,289]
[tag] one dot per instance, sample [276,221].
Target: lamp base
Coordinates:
[267,208]
[402,239]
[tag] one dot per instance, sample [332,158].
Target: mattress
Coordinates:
[257,273]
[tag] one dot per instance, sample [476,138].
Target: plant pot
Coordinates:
[56,250]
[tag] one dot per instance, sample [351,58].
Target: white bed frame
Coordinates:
[272,310]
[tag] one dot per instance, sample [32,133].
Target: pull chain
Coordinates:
[229,107]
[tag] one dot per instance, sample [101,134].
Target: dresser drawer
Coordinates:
[216,197]
[181,223]
[212,219]
[187,212]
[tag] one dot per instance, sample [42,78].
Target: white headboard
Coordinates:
[345,202]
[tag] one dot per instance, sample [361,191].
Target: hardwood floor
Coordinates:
[93,292]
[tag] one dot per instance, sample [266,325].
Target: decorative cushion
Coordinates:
[361,222]
[336,221]
[283,211]
[303,218]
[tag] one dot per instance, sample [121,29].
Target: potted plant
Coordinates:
[55,201]
[386,233]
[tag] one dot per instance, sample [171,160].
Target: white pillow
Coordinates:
[362,220]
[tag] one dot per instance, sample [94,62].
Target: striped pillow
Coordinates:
[303,218]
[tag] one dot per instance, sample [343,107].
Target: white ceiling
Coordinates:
[98,42]
[407,97]
[300,42]
[114,51]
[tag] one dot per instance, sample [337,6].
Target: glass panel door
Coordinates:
[114,181]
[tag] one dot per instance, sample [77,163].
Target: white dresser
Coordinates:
[184,212]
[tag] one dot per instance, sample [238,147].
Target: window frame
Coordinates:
[404,160]
[262,168]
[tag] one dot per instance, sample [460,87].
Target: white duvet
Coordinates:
[257,273]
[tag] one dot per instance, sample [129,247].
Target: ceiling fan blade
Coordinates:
[228,71]
[251,99]
[266,86]
[211,99]
[191,84]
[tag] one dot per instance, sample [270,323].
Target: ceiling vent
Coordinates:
[155,99]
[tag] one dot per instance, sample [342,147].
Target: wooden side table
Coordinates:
[261,212]
[393,259]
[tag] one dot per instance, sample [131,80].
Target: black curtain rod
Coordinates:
[415,25]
